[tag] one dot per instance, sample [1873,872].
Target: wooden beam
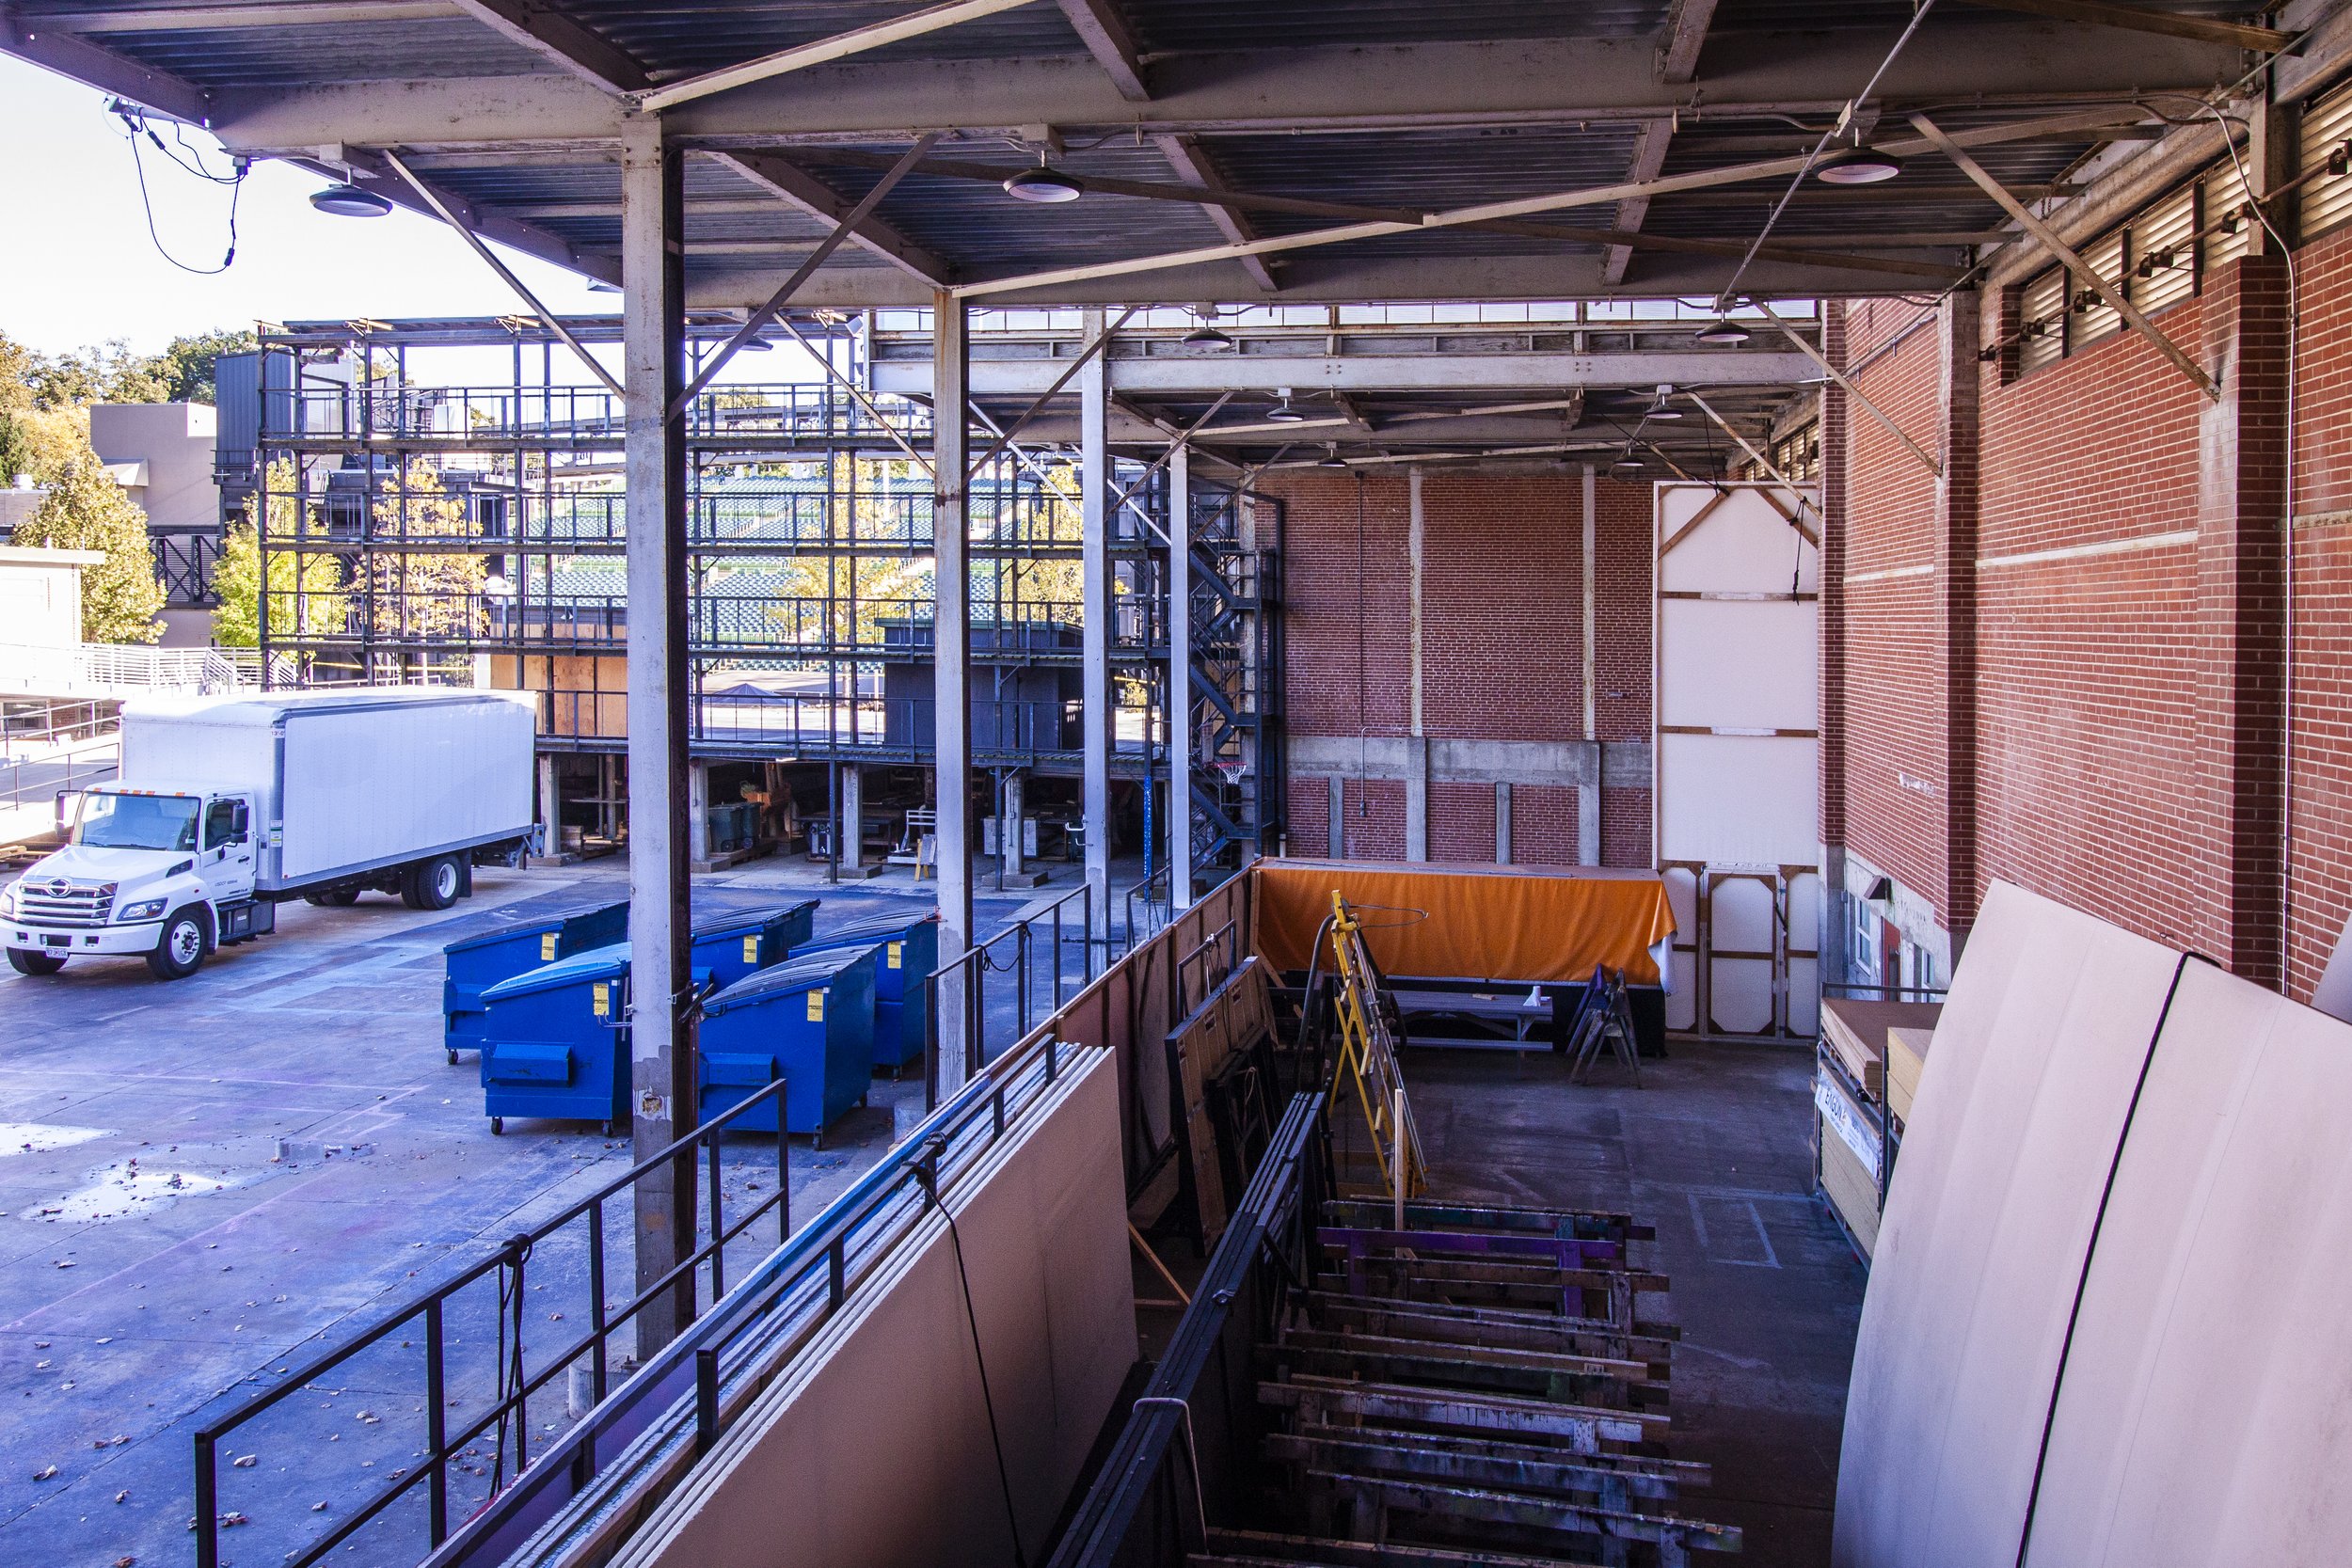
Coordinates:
[1681,39]
[1112,45]
[2048,238]
[1192,166]
[797,187]
[555,37]
[2198,29]
[840,46]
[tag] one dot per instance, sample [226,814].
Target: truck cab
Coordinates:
[164,874]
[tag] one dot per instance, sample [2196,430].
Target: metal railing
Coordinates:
[114,668]
[1013,951]
[507,1419]
[638,1445]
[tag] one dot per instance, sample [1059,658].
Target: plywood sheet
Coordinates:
[1739,799]
[879,1454]
[1987,1224]
[2205,1414]
[1848,1183]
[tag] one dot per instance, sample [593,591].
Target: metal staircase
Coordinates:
[1234,698]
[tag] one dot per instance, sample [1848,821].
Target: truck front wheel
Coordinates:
[434,884]
[181,951]
[27,962]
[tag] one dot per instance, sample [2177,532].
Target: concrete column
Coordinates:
[698,815]
[951,662]
[853,836]
[1094,478]
[551,809]
[1956,498]
[1338,817]
[1180,731]
[1011,805]
[1588,784]
[1502,824]
[1417,742]
[660,927]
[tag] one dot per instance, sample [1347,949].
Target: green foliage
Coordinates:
[308,597]
[86,510]
[186,368]
[110,373]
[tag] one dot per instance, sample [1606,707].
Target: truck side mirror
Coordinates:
[239,822]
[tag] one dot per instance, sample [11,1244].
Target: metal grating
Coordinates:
[2042,312]
[2228,225]
[2164,252]
[2090,320]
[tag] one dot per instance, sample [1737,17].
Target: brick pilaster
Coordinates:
[1960,339]
[1831,722]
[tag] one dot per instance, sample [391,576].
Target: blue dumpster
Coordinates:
[905,953]
[477,963]
[810,1019]
[733,945]
[554,1042]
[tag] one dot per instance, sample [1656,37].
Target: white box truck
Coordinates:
[227,806]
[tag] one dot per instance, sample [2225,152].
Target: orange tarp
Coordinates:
[1500,922]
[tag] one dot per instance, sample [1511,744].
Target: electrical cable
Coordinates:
[134,127]
[1845,117]
[925,1173]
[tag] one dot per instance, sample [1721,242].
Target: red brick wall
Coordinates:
[2319,871]
[1502,604]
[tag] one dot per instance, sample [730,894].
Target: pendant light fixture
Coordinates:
[347,201]
[1856,165]
[1721,332]
[1043,186]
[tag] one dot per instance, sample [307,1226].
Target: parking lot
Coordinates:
[206,1182]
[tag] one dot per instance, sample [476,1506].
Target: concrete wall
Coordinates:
[175,442]
[1502,659]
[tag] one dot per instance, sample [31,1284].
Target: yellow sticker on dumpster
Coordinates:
[894,953]
[817,1006]
[546,946]
[603,999]
[751,950]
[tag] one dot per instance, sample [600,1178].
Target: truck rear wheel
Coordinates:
[433,884]
[27,962]
[180,952]
[333,897]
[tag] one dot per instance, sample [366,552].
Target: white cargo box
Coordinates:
[346,780]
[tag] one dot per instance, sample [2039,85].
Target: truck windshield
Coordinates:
[137,821]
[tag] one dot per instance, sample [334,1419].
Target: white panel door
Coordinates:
[1738,753]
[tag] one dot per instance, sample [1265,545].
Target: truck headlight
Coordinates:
[149,908]
[7,900]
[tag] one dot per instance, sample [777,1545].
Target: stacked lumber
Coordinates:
[1478,1386]
[1220,1079]
[1906,1058]
[1866,1081]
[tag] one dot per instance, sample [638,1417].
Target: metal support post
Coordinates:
[951,658]
[1094,479]
[1010,806]
[661,1045]
[1179,736]
[697,815]
[850,833]
[551,809]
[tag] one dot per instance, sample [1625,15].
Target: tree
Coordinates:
[307,597]
[416,594]
[186,368]
[86,510]
[40,441]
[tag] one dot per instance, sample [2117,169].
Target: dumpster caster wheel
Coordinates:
[453,1058]
[498,1126]
[817,1140]
[608,1129]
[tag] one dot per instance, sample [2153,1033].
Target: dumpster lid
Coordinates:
[868,934]
[597,964]
[789,979]
[529,927]
[728,921]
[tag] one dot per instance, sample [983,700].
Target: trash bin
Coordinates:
[905,953]
[732,946]
[477,963]
[554,1043]
[809,1018]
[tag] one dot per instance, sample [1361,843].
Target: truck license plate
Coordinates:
[48,941]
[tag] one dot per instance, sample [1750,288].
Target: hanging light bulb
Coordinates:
[1663,406]
[1283,413]
[1332,458]
[348,200]
[1043,184]
[1856,165]
[1205,335]
[1721,332]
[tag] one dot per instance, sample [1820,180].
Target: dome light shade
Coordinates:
[1043,186]
[1721,333]
[1661,409]
[347,201]
[1856,165]
[1331,459]
[1205,336]
[1283,413]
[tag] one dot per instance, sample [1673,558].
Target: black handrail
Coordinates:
[508,1263]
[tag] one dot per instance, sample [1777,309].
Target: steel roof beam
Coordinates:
[1109,39]
[1681,39]
[488,222]
[797,187]
[255,13]
[554,37]
[1206,375]
[33,41]
[1192,166]
[2229,35]
[1559,82]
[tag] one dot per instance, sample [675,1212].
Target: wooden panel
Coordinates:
[1987,1224]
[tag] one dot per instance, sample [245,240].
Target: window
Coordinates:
[2042,315]
[224,823]
[111,821]
[2092,319]
[2327,201]
[2164,252]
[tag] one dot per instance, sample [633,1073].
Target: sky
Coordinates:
[78,268]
